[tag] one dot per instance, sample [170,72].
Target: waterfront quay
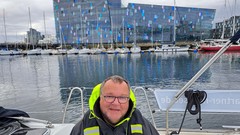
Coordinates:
[144,46]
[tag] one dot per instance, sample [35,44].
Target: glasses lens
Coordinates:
[111,99]
[122,100]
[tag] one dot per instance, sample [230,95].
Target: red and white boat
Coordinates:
[217,44]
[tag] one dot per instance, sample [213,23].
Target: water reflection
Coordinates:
[158,69]
[33,83]
[225,71]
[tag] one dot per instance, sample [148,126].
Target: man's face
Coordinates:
[115,111]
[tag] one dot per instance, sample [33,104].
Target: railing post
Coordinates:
[69,97]
[141,88]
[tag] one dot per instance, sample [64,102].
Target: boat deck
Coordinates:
[200,132]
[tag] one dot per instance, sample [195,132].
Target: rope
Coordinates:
[194,99]
[9,128]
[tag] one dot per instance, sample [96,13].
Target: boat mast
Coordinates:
[5,29]
[81,26]
[92,35]
[123,31]
[101,42]
[223,29]
[60,30]
[152,34]
[174,23]
[135,32]
[44,23]
[234,17]
[162,35]
[45,33]
[30,25]
[98,29]
[116,37]
[111,32]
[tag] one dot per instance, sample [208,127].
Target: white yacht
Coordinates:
[124,50]
[73,51]
[5,52]
[111,50]
[55,52]
[62,51]
[84,51]
[170,48]
[46,51]
[96,50]
[135,49]
[36,51]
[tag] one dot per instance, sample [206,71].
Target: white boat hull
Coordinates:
[171,49]
[57,129]
[34,52]
[73,51]
[46,52]
[84,51]
[135,49]
[5,52]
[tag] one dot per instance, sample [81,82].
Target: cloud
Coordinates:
[17,18]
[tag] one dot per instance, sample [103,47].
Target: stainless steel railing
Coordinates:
[69,98]
[148,104]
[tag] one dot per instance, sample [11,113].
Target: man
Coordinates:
[113,112]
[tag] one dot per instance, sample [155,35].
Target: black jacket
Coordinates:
[123,129]
[132,124]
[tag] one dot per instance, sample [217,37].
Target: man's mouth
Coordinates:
[112,109]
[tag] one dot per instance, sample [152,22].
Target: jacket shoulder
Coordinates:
[86,121]
[147,127]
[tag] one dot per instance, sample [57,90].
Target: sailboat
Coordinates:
[151,49]
[135,48]
[33,51]
[7,51]
[123,49]
[45,51]
[100,48]
[60,49]
[84,49]
[111,49]
[172,47]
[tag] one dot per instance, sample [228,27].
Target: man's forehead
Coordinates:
[115,82]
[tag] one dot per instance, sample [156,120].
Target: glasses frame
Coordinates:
[107,98]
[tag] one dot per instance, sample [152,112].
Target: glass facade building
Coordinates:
[108,21]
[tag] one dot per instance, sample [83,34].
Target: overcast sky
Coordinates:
[17,15]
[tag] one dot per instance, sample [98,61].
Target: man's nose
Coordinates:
[115,101]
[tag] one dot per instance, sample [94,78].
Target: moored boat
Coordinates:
[170,48]
[73,51]
[135,49]
[84,51]
[46,51]
[216,45]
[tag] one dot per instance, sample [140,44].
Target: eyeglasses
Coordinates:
[111,99]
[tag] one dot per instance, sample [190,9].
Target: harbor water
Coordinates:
[39,84]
